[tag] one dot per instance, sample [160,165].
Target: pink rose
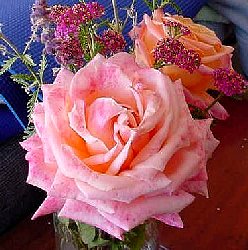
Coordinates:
[116,145]
[201,40]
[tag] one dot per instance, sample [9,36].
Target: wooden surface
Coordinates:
[217,223]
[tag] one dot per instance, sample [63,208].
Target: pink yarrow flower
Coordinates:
[172,51]
[68,23]
[69,51]
[66,43]
[176,29]
[112,41]
[56,11]
[229,81]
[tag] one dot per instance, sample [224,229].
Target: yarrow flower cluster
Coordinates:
[69,52]
[229,81]
[172,51]
[63,39]
[176,29]
[112,42]
[71,27]
[56,11]
[70,19]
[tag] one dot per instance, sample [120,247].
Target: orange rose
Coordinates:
[201,39]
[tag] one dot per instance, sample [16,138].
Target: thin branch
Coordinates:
[20,56]
[116,15]
[32,38]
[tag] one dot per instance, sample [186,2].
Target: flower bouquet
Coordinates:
[122,137]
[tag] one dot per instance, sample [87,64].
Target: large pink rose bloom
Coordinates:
[116,145]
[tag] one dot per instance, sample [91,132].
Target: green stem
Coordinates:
[90,45]
[93,46]
[19,55]
[133,17]
[154,4]
[214,102]
[116,15]
[34,31]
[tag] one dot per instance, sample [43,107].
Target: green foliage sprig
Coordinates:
[31,82]
[156,4]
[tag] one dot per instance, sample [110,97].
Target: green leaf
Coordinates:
[32,101]
[3,50]
[26,81]
[75,234]
[7,64]
[135,239]
[43,65]
[25,77]
[87,232]
[98,243]
[27,59]
[115,246]
[98,47]
[29,131]
[103,23]
[149,4]
[84,41]
[65,221]
[172,4]
[21,82]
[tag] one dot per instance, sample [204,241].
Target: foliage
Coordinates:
[31,82]
[88,237]
[155,4]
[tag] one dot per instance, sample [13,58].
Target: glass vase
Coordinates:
[73,235]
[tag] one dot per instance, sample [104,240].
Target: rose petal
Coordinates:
[172,219]
[154,111]
[123,59]
[64,78]
[72,167]
[39,119]
[127,193]
[40,174]
[155,154]
[85,213]
[118,162]
[203,101]
[100,119]
[77,119]
[100,78]
[39,122]
[49,205]
[31,143]
[198,187]
[66,188]
[128,216]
